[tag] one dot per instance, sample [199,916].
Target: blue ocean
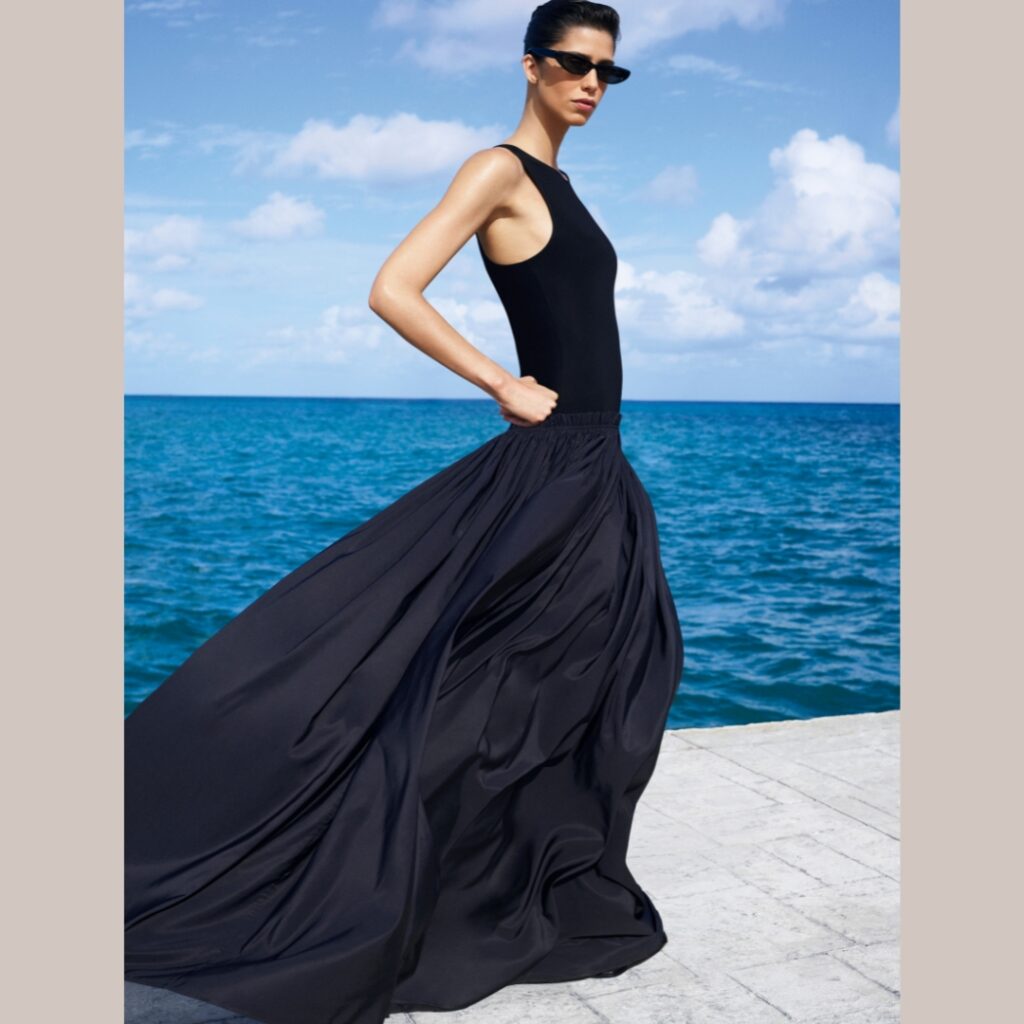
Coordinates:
[779,527]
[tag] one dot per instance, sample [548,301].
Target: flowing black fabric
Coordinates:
[404,777]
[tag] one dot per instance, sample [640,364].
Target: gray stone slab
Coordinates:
[879,961]
[765,824]
[712,1000]
[866,845]
[819,860]
[866,912]
[517,1003]
[888,1014]
[763,868]
[801,987]
[741,926]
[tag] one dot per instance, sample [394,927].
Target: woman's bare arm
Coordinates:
[481,186]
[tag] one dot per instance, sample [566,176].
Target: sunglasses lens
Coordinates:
[612,75]
[575,65]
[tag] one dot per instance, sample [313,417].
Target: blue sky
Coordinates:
[747,174]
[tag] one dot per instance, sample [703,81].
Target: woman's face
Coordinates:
[557,89]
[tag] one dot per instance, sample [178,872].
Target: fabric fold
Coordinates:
[405,776]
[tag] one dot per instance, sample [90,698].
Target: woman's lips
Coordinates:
[584,104]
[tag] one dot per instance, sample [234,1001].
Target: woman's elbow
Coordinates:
[383,295]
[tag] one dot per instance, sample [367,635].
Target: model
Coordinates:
[404,777]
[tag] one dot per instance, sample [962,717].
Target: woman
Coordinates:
[404,777]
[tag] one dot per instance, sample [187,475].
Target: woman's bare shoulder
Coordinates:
[488,172]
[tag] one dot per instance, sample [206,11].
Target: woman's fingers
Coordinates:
[540,390]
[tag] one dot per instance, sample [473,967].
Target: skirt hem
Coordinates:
[179,986]
[658,941]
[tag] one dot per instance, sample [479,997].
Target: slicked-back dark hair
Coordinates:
[552,20]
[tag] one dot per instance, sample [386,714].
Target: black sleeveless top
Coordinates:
[560,301]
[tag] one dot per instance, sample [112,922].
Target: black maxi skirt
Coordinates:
[404,777]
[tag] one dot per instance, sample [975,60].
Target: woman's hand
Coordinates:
[525,402]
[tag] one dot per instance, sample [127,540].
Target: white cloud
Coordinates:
[163,6]
[281,216]
[174,298]
[173,13]
[653,24]
[454,37]
[721,245]
[805,267]
[829,211]
[873,310]
[150,344]
[142,300]
[694,64]
[170,261]
[892,127]
[481,321]
[666,307]
[251,148]
[133,290]
[397,148]
[367,148]
[148,201]
[139,138]
[677,184]
[268,40]
[168,243]
[341,332]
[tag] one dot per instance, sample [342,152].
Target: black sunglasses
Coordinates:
[577,64]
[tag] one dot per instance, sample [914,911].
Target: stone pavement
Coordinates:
[772,854]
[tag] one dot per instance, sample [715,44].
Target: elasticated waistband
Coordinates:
[597,419]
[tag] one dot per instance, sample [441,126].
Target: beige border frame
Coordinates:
[62,82]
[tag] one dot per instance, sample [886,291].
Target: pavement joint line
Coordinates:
[853,967]
[757,995]
[823,803]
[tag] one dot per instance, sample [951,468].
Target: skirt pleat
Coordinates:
[404,776]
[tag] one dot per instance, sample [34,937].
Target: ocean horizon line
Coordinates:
[431,398]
